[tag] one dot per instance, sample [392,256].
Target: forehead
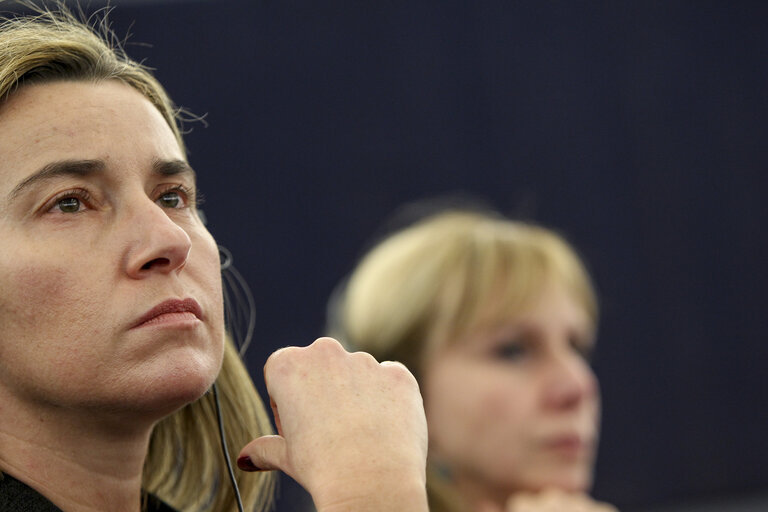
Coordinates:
[106,120]
[548,302]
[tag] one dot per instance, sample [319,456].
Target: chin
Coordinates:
[567,478]
[175,385]
[574,480]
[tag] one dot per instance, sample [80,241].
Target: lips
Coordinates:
[567,441]
[570,444]
[169,307]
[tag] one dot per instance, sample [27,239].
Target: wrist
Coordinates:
[374,493]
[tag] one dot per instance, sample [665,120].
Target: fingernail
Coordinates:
[245,463]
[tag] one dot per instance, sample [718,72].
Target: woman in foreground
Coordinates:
[111,317]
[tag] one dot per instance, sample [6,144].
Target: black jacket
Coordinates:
[16,496]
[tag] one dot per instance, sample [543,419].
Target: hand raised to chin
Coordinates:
[351,430]
[555,500]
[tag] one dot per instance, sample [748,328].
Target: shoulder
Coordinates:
[16,496]
[154,504]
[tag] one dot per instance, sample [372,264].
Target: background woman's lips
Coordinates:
[177,307]
[569,445]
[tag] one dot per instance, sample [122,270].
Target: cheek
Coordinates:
[596,404]
[503,402]
[41,293]
[44,317]
[205,268]
[469,407]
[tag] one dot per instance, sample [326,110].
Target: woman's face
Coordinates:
[516,407]
[111,291]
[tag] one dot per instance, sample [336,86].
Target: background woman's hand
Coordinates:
[555,500]
[351,430]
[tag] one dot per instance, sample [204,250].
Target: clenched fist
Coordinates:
[351,430]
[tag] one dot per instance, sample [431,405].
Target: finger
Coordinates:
[263,453]
[330,342]
[532,502]
[489,506]
[394,364]
[400,369]
[276,415]
[274,359]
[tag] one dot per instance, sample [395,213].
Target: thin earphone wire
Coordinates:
[224,449]
[239,305]
[240,313]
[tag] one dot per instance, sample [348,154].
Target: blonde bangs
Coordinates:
[390,298]
[440,279]
[505,267]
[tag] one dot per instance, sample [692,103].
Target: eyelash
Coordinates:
[189,198]
[77,193]
[511,351]
[515,350]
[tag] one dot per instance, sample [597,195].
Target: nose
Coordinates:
[156,243]
[570,382]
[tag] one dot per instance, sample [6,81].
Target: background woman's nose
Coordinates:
[570,381]
[157,243]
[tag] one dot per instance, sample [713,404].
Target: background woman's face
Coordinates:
[97,227]
[517,407]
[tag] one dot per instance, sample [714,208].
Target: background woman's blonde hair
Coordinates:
[448,275]
[184,466]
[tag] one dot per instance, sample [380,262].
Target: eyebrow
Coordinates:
[82,168]
[58,169]
[173,168]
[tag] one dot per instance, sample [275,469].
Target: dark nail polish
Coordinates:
[246,464]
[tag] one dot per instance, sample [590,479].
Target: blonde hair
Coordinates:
[439,279]
[55,45]
[184,465]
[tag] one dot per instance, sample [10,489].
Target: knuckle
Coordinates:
[400,371]
[365,358]
[327,344]
[278,359]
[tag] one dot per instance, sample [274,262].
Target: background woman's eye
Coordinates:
[69,204]
[510,351]
[583,349]
[170,199]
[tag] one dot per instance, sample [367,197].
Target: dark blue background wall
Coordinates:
[637,128]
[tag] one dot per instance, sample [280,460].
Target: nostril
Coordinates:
[157,262]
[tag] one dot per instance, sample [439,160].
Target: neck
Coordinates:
[478,495]
[81,462]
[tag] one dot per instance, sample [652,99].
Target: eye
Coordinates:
[511,351]
[176,197]
[71,201]
[69,204]
[582,348]
[170,200]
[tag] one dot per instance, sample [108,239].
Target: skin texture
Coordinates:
[515,407]
[83,379]
[84,258]
[75,283]
[554,500]
[356,406]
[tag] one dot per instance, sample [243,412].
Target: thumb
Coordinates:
[263,453]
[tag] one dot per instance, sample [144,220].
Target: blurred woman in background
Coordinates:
[497,320]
